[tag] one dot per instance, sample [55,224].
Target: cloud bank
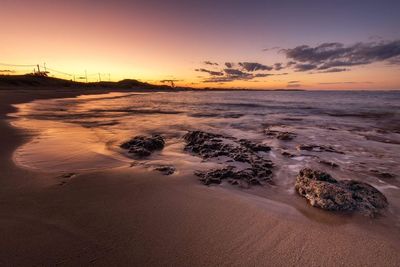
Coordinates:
[333,57]
[337,57]
[237,71]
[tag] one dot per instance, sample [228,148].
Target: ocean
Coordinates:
[84,133]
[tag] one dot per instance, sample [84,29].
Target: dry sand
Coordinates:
[131,218]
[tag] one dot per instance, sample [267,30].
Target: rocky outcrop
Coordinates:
[143,146]
[208,145]
[323,191]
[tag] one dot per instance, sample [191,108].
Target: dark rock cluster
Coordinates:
[244,164]
[209,145]
[143,146]
[323,191]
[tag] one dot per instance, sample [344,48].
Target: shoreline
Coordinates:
[124,217]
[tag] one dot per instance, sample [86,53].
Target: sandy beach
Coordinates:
[200,133]
[126,217]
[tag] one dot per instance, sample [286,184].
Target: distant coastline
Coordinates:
[35,81]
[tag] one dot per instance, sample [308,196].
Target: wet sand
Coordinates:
[128,217]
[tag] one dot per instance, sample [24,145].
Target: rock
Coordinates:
[253,146]
[209,145]
[67,175]
[254,181]
[64,177]
[329,163]
[143,146]
[292,119]
[383,175]
[318,148]
[382,139]
[287,154]
[284,136]
[215,176]
[233,182]
[323,191]
[139,151]
[165,169]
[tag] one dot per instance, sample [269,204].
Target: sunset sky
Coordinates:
[221,43]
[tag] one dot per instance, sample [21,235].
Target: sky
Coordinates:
[312,44]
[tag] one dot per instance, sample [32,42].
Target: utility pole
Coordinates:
[86,75]
[99,78]
[109,77]
[38,68]
[44,65]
